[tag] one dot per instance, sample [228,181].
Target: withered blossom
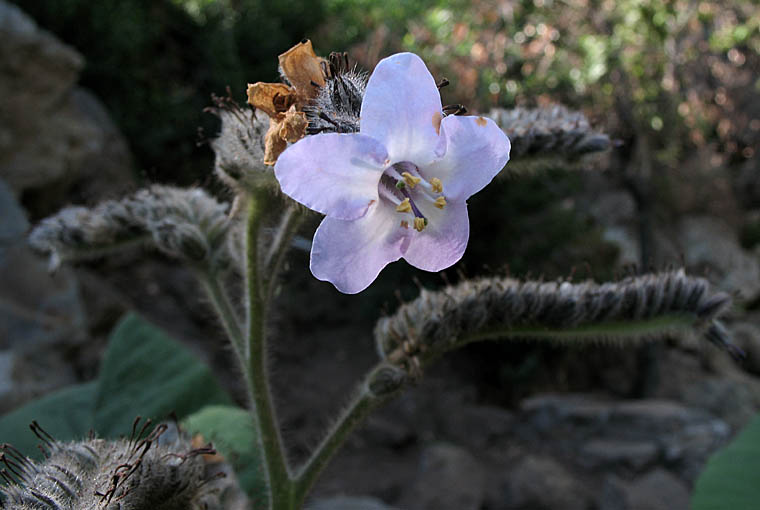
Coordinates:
[284,103]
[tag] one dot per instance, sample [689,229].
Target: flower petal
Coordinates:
[443,241]
[335,174]
[402,110]
[350,254]
[476,150]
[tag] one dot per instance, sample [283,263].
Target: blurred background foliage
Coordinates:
[681,73]
[675,84]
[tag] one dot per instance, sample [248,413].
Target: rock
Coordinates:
[54,137]
[709,244]
[606,453]
[478,426]
[31,375]
[37,312]
[747,336]
[657,490]
[613,494]
[655,416]
[546,412]
[36,71]
[381,431]
[541,483]
[733,401]
[449,478]
[348,503]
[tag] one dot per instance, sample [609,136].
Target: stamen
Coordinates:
[410,180]
[420,224]
[404,224]
[436,185]
[404,207]
[440,202]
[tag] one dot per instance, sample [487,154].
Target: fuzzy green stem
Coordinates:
[357,410]
[224,309]
[635,330]
[289,223]
[257,373]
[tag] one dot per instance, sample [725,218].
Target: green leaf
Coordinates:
[232,432]
[731,478]
[146,373]
[66,414]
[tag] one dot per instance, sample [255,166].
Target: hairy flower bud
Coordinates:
[185,223]
[338,104]
[490,308]
[161,471]
[239,148]
[542,137]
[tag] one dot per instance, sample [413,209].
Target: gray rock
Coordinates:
[709,244]
[541,483]
[348,503]
[478,426]
[14,223]
[37,311]
[657,490]
[747,336]
[53,134]
[449,478]
[36,72]
[610,453]
[32,374]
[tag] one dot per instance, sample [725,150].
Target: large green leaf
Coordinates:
[65,414]
[731,479]
[232,432]
[146,373]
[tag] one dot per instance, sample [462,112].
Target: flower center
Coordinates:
[404,186]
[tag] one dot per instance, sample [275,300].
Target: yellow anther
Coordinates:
[404,224]
[440,202]
[410,180]
[437,185]
[404,206]
[419,224]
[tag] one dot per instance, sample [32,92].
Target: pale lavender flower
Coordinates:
[398,188]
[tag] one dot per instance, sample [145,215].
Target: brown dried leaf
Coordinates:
[293,125]
[274,144]
[302,67]
[270,98]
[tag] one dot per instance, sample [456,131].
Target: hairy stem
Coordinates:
[257,373]
[289,223]
[363,402]
[224,309]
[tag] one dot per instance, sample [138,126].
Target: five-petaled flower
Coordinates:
[398,188]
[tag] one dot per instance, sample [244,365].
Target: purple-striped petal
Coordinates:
[476,150]
[350,254]
[402,110]
[442,243]
[335,174]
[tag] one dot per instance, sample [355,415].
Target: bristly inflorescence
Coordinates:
[239,148]
[184,223]
[540,136]
[635,308]
[338,104]
[157,471]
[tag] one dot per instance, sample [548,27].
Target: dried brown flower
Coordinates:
[303,70]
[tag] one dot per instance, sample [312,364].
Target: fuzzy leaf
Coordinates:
[730,479]
[146,373]
[232,432]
